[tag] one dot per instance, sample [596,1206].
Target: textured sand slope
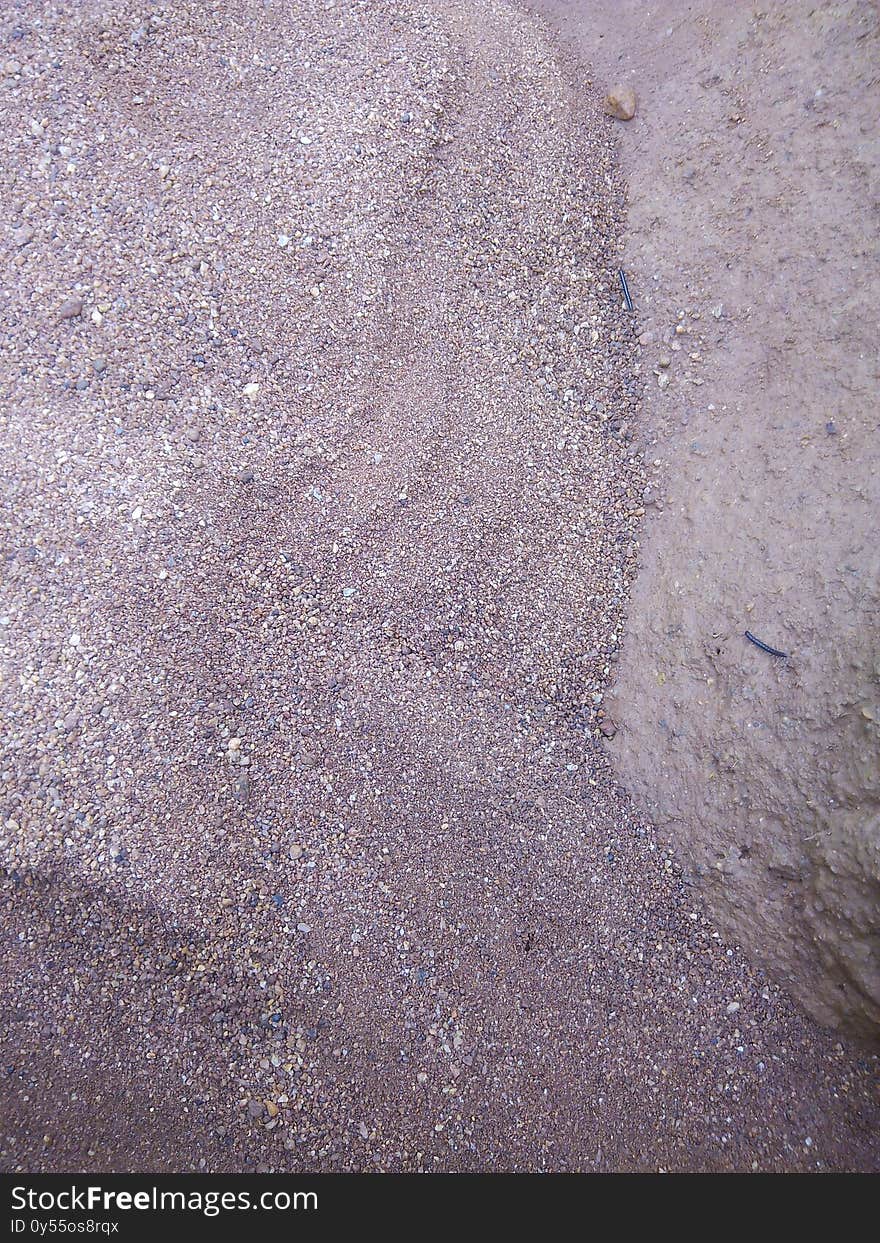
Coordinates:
[317,534]
[755,213]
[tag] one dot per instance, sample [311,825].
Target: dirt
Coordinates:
[754,214]
[321,510]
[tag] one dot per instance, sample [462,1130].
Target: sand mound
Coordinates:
[316,533]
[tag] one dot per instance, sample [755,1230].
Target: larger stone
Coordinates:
[621,102]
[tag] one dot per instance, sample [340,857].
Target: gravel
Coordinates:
[314,857]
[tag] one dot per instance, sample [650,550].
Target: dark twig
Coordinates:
[625,287]
[765,647]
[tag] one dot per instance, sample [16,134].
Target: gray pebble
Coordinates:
[71,308]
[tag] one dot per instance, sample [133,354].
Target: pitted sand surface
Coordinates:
[752,246]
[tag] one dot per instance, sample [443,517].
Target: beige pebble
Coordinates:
[621,102]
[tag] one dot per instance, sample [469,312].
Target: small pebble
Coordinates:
[71,308]
[621,102]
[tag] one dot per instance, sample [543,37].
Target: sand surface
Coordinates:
[319,520]
[753,246]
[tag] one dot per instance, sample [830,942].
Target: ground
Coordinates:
[322,505]
[754,217]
